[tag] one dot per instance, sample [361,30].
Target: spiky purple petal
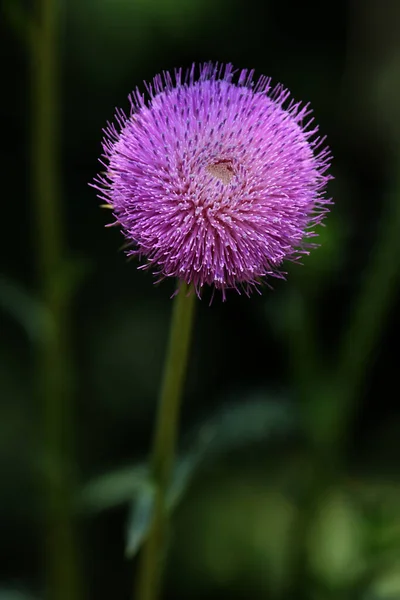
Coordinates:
[215,182]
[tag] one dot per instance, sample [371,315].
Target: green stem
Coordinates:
[164,443]
[380,282]
[53,369]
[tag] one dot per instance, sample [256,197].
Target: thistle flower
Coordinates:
[215,179]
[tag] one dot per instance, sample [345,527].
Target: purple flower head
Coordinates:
[215,179]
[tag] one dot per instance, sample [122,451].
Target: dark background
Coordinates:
[298,491]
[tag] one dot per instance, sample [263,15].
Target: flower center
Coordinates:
[222,170]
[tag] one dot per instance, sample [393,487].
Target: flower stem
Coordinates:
[164,443]
[376,296]
[334,407]
[53,358]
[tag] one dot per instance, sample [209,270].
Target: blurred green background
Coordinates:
[288,478]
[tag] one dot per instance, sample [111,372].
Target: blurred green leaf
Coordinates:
[386,586]
[114,489]
[124,485]
[133,485]
[184,470]
[380,501]
[275,539]
[243,529]
[141,508]
[255,419]
[235,425]
[29,311]
[336,544]
[139,520]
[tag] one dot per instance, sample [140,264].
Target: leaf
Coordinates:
[114,489]
[336,540]
[139,520]
[128,485]
[29,311]
[184,469]
[387,585]
[133,485]
[233,426]
[237,424]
